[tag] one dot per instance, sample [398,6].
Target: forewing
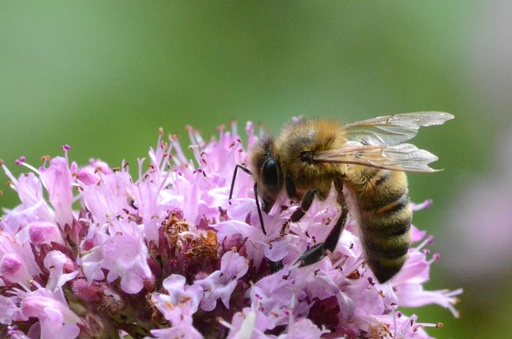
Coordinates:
[392,129]
[402,157]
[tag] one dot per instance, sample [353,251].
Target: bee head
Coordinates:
[267,172]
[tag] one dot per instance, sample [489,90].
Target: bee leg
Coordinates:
[246,170]
[275,266]
[258,207]
[313,255]
[332,239]
[318,252]
[306,203]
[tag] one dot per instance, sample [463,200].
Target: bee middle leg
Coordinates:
[318,252]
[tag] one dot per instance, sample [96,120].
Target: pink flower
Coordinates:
[56,320]
[17,261]
[178,306]
[221,283]
[166,254]
[58,181]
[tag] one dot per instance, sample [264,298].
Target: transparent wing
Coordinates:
[402,157]
[392,129]
[378,143]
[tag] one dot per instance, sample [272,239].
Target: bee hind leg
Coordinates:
[318,252]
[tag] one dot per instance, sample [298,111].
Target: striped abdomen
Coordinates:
[384,214]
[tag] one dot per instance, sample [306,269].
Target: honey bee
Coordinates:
[365,162]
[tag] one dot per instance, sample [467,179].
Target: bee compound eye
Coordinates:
[270,172]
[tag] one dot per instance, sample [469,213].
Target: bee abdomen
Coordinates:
[385,220]
[387,238]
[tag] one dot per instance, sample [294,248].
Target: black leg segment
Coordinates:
[258,207]
[332,239]
[305,204]
[248,171]
[317,252]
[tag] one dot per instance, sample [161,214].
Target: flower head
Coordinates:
[168,254]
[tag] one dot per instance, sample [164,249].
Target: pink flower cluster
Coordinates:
[91,251]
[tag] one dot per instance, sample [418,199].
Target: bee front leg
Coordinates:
[305,204]
[248,171]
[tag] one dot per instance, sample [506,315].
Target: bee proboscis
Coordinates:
[365,162]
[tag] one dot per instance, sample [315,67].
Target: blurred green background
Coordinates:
[103,76]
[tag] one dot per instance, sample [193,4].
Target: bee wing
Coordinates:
[392,129]
[402,157]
